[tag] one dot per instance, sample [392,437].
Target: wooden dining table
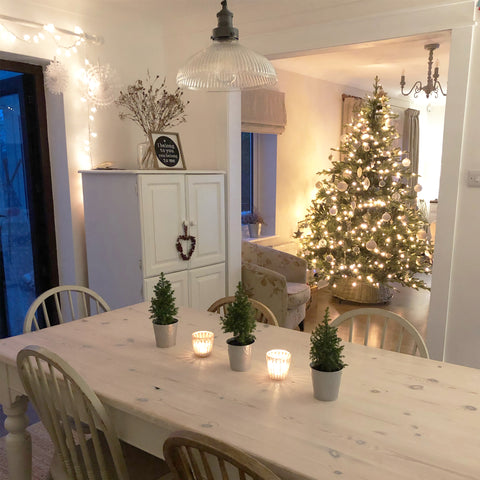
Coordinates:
[397,416]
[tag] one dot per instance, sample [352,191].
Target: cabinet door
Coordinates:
[206,214]
[179,281]
[162,200]
[207,284]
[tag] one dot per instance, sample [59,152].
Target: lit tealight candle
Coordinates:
[202,342]
[278,363]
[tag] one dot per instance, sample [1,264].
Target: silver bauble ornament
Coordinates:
[371,245]
[386,217]
[406,162]
[417,188]
[421,234]
[342,186]
[333,210]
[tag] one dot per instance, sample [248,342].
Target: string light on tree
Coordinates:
[363,224]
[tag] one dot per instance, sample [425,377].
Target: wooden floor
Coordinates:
[407,302]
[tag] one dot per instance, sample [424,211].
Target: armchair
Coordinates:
[278,280]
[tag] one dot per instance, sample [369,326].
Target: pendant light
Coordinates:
[226,65]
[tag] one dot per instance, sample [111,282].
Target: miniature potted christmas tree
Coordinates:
[240,321]
[326,360]
[163,311]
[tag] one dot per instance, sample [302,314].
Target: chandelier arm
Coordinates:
[438,84]
[417,86]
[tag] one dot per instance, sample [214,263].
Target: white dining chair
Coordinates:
[361,319]
[85,441]
[193,456]
[61,304]
[262,313]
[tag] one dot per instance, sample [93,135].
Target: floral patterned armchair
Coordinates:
[278,280]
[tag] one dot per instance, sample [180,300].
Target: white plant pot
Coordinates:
[254,229]
[326,384]
[165,335]
[240,356]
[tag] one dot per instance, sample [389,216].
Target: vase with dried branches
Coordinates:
[153,108]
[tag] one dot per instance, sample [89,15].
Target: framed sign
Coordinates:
[167,151]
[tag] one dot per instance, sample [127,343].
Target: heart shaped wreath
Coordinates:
[186,237]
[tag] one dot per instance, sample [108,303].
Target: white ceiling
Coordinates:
[357,65]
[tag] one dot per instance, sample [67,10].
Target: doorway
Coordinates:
[28,259]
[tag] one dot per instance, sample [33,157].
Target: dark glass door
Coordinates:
[28,262]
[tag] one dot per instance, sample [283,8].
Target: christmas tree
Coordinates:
[364,226]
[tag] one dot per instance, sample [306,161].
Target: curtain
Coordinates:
[263,111]
[411,134]
[351,105]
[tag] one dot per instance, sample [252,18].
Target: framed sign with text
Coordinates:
[167,151]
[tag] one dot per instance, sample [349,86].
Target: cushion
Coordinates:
[298,293]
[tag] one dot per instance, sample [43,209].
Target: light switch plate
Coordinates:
[473,178]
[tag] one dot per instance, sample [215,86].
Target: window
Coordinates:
[259,177]
[247,172]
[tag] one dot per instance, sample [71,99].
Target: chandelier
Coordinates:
[225,64]
[432,85]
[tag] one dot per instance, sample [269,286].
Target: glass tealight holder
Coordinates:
[202,342]
[278,363]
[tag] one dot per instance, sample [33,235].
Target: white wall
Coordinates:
[314,119]
[431,121]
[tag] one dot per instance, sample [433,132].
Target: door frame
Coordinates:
[38,171]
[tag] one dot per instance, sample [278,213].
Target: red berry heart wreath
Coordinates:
[187,238]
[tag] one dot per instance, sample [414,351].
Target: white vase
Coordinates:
[240,356]
[326,385]
[165,335]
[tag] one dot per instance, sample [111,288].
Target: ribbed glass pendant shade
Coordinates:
[226,65]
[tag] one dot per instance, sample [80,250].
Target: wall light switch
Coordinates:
[473,178]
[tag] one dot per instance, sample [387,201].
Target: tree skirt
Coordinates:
[42,453]
[362,292]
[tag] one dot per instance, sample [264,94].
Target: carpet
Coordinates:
[42,452]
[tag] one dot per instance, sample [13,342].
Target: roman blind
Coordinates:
[263,111]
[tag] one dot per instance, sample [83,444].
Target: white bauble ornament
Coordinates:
[353,205]
[371,245]
[102,85]
[329,258]
[406,162]
[56,77]
[396,196]
[386,217]
[359,172]
[342,186]
[421,234]
[323,243]
[417,188]
[366,184]
[333,210]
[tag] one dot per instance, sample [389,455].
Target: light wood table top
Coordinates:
[397,416]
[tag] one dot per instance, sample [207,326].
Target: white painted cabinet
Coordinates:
[132,222]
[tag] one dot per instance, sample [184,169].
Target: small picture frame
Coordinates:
[167,151]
